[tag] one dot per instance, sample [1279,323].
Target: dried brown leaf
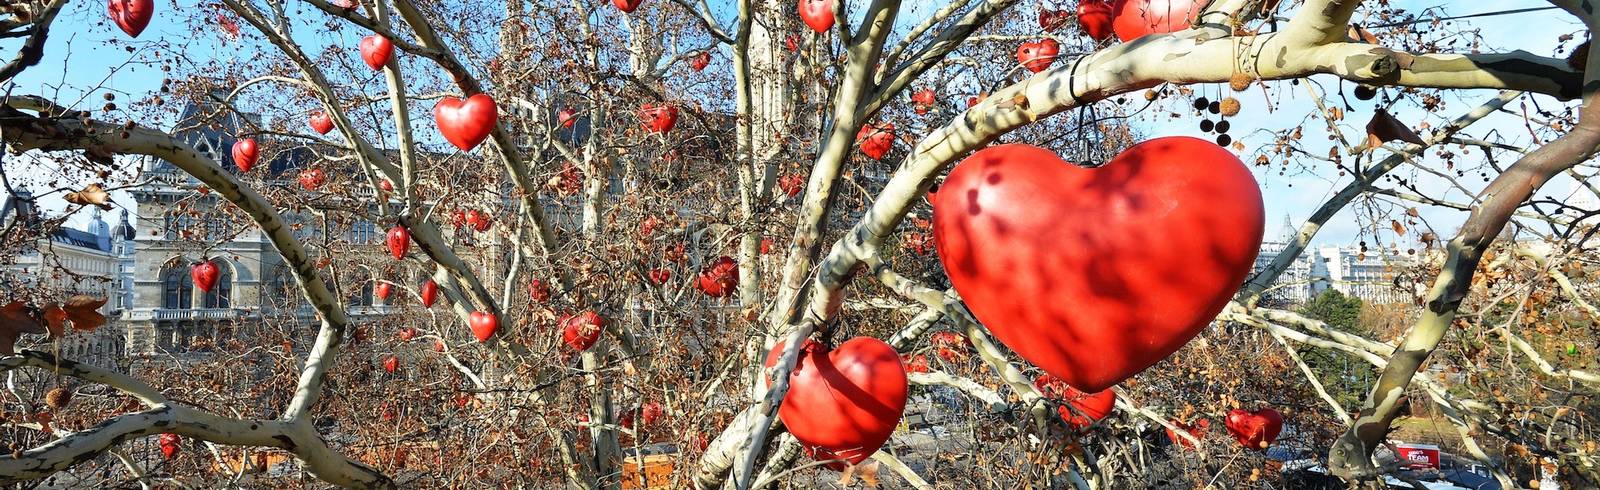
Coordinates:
[92,195]
[1386,128]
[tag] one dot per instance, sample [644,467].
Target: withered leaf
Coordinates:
[15,320]
[1399,229]
[1384,128]
[92,195]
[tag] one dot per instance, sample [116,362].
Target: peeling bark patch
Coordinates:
[1567,81]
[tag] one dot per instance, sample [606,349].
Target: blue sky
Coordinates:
[85,50]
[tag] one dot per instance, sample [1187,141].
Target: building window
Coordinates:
[221,295]
[179,288]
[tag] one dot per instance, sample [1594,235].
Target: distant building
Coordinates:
[66,261]
[1294,285]
[1373,275]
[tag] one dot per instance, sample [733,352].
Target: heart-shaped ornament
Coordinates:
[376,51]
[700,61]
[1137,18]
[582,330]
[1038,55]
[205,275]
[1077,409]
[817,14]
[399,241]
[466,123]
[1096,274]
[245,154]
[627,6]
[1254,429]
[1050,20]
[429,293]
[132,16]
[843,404]
[1094,17]
[383,291]
[483,324]
[876,140]
[659,118]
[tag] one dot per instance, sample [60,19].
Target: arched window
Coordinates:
[179,289]
[221,295]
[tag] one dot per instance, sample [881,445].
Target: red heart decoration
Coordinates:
[817,14]
[659,118]
[1050,20]
[792,184]
[132,16]
[915,364]
[923,100]
[567,117]
[391,364]
[483,325]
[384,290]
[1254,429]
[205,275]
[399,240]
[311,179]
[651,413]
[582,330]
[766,245]
[950,346]
[408,334]
[376,51]
[876,140]
[720,278]
[1038,55]
[792,42]
[538,291]
[479,220]
[171,444]
[843,404]
[1198,430]
[700,61]
[627,6]
[1105,271]
[385,185]
[429,294]
[466,123]
[660,276]
[1137,18]
[1094,17]
[245,154]
[1078,409]
[320,122]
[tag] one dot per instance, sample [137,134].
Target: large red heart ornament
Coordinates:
[1254,429]
[1096,274]
[843,404]
[205,275]
[132,16]
[1138,18]
[429,294]
[1094,17]
[817,14]
[720,278]
[466,123]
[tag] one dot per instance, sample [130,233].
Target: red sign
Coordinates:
[1418,456]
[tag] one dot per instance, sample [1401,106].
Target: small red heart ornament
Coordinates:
[384,290]
[312,178]
[720,278]
[399,241]
[1254,429]
[245,154]
[429,293]
[843,404]
[320,122]
[376,51]
[1050,20]
[205,275]
[1096,274]
[659,118]
[1078,409]
[876,140]
[483,324]
[700,61]
[1038,55]
[466,123]
[582,330]
[627,6]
